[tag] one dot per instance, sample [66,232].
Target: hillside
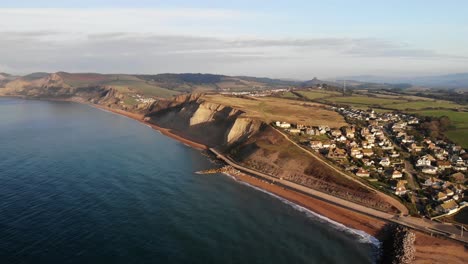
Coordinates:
[448,81]
[159,85]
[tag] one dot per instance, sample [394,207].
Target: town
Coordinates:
[387,150]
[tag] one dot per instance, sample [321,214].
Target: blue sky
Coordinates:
[294,39]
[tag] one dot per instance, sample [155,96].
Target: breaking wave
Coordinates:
[362,236]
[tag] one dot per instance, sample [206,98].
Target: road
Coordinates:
[423,225]
[323,196]
[410,172]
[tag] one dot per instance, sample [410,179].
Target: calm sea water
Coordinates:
[80,185]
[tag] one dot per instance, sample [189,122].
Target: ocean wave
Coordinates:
[362,236]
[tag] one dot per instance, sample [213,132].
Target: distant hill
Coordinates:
[158,85]
[449,81]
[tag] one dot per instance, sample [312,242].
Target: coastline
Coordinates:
[428,249]
[425,245]
[370,225]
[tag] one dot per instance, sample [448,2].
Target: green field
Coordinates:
[363,100]
[318,94]
[392,102]
[289,95]
[426,104]
[459,132]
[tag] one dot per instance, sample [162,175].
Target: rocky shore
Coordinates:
[398,245]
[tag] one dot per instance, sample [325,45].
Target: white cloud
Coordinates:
[188,40]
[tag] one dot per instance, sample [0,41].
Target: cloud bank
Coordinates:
[192,40]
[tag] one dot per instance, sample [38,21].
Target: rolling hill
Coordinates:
[158,85]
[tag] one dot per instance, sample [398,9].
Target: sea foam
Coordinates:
[362,236]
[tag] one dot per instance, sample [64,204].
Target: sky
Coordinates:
[279,39]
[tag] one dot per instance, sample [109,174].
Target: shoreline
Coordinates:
[348,218]
[425,244]
[446,251]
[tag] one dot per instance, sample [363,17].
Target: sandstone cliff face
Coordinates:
[212,124]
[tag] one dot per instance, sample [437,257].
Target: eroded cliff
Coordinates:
[212,124]
[254,144]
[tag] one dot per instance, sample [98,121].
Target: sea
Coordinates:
[82,185]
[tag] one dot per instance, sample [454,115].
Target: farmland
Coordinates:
[459,122]
[379,101]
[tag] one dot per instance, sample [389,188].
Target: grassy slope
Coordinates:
[271,109]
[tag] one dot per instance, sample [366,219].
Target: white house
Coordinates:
[385,162]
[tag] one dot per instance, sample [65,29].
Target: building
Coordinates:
[367,152]
[349,131]
[315,144]
[337,153]
[429,170]
[448,207]
[294,130]
[336,132]
[444,164]
[396,174]
[458,177]
[440,196]
[423,161]
[283,124]
[362,173]
[400,188]
[433,182]
[385,162]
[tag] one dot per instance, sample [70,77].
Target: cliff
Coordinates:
[254,144]
[212,124]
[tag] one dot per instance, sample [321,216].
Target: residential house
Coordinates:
[385,162]
[337,153]
[449,192]
[294,130]
[400,188]
[448,207]
[368,162]
[423,161]
[429,170]
[444,164]
[315,144]
[362,173]
[458,177]
[310,131]
[355,151]
[283,124]
[349,131]
[416,148]
[396,174]
[433,182]
[367,152]
[328,144]
[336,132]
[440,196]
